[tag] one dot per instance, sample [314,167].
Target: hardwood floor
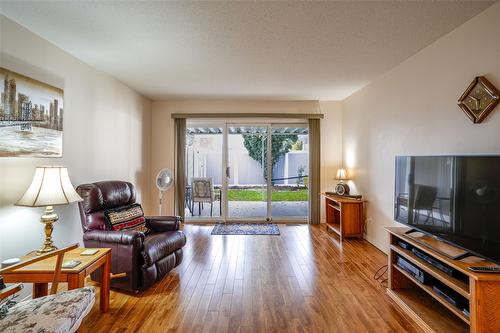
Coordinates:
[300,281]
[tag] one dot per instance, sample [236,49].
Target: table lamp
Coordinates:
[342,188]
[50,187]
[341,174]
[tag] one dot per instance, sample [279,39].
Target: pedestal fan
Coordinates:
[164,181]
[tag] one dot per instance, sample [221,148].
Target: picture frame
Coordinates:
[31,117]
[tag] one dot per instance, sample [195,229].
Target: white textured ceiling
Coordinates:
[266,50]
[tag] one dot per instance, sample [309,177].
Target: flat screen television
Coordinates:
[455,198]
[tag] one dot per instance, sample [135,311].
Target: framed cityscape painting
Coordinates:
[31,117]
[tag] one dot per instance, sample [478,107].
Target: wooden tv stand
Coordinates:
[344,216]
[429,310]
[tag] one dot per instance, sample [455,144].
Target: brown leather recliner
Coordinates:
[145,258]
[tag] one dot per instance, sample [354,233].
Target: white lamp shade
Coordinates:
[50,187]
[341,174]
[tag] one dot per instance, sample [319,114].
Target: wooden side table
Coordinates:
[42,272]
[344,216]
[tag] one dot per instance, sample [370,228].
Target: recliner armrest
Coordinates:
[126,247]
[129,237]
[163,223]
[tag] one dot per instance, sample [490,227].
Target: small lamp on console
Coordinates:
[342,188]
[50,187]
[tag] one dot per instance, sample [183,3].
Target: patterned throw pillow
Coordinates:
[126,218]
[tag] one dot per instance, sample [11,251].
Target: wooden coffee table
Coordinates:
[42,272]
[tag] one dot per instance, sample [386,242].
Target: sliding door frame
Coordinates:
[269,125]
[209,123]
[300,219]
[225,213]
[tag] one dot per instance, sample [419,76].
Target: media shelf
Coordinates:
[428,289]
[461,287]
[431,317]
[477,292]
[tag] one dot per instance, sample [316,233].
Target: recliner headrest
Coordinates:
[105,195]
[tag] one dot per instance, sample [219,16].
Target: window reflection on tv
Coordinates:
[456,198]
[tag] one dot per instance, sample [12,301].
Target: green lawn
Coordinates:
[256,195]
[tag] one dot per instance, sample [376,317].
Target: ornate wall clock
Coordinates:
[479,99]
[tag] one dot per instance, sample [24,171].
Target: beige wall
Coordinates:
[106,136]
[412,110]
[331,147]
[162,145]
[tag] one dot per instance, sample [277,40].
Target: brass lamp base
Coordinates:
[48,219]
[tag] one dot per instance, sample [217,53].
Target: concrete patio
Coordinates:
[252,209]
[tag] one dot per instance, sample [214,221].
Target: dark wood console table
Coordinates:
[344,216]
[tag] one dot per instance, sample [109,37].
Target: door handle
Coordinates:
[228,172]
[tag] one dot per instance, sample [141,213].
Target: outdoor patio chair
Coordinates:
[425,196]
[202,190]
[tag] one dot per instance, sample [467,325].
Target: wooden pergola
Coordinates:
[247,130]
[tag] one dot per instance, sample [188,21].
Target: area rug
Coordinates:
[245,229]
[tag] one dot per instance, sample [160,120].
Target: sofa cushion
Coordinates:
[157,246]
[126,218]
[62,312]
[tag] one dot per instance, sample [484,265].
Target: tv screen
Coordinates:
[456,198]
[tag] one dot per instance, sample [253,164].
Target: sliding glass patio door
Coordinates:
[290,171]
[246,172]
[247,184]
[204,171]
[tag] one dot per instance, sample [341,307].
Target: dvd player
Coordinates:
[451,297]
[412,270]
[446,269]
[405,245]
